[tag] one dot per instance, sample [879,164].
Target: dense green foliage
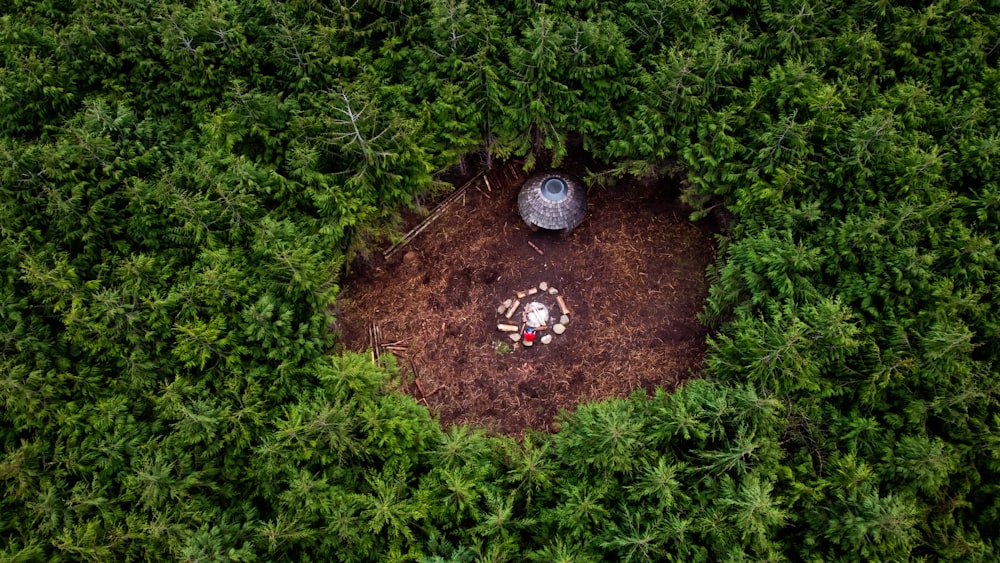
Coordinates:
[182,184]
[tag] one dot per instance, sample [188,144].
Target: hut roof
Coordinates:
[552,200]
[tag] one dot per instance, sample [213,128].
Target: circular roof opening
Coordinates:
[554,189]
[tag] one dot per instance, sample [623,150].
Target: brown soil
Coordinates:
[633,273]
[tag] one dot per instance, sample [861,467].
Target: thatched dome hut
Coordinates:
[552,200]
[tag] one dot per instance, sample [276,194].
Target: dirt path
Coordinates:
[633,273]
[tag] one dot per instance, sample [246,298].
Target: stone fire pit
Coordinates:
[538,313]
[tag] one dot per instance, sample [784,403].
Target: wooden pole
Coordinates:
[373,340]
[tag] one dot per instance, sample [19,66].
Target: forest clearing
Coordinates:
[634,272]
[208,352]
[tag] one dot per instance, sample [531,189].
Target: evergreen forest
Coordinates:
[183,185]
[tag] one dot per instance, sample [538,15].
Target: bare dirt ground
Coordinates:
[633,273]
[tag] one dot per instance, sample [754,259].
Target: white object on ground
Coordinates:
[536,314]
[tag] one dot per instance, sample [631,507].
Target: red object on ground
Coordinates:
[529,335]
